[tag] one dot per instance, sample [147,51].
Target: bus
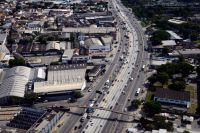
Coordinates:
[143,67]
[137,92]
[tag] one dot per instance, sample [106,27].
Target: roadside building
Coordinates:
[169,44]
[167,96]
[62,78]
[47,123]
[188,53]
[94,45]
[156,63]
[96,71]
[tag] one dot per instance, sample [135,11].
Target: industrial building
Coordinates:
[95,45]
[62,78]
[13,82]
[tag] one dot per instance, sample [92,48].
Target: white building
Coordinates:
[13,82]
[96,46]
[61,78]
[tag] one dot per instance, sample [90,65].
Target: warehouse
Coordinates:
[62,78]
[13,82]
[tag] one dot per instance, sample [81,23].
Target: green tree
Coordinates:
[17,62]
[163,78]
[135,104]
[160,123]
[158,36]
[152,79]
[30,98]
[185,68]
[152,108]
[77,94]
[186,131]
[194,36]
[198,70]
[177,85]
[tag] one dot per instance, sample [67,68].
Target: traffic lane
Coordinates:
[121,99]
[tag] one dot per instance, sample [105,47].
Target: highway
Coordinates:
[117,126]
[123,79]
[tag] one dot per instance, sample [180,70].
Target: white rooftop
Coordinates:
[174,35]
[13,81]
[61,78]
[176,21]
[166,43]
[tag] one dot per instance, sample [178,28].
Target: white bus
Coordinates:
[143,67]
[137,92]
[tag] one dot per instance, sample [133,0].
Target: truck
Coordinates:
[83,117]
[137,92]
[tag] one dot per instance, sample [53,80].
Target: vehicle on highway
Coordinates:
[98,91]
[137,92]
[83,117]
[143,67]
[107,82]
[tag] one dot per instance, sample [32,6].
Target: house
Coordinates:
[171,97]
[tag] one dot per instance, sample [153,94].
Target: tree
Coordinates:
[77,94]
[17,62]
[198,70]
[177,85]
[30,98]
[152,108]
[160,123]
[186,131]
[135,104]
[163,78]
[194,36]
[158,36]
[152,79]
[185,68]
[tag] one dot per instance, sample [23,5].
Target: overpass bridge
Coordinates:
[100,108]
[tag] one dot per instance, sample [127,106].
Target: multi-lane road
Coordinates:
[124,88]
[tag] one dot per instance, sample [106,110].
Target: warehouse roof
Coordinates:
[62,78]
[171,94]
[93,41]
[13,81]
